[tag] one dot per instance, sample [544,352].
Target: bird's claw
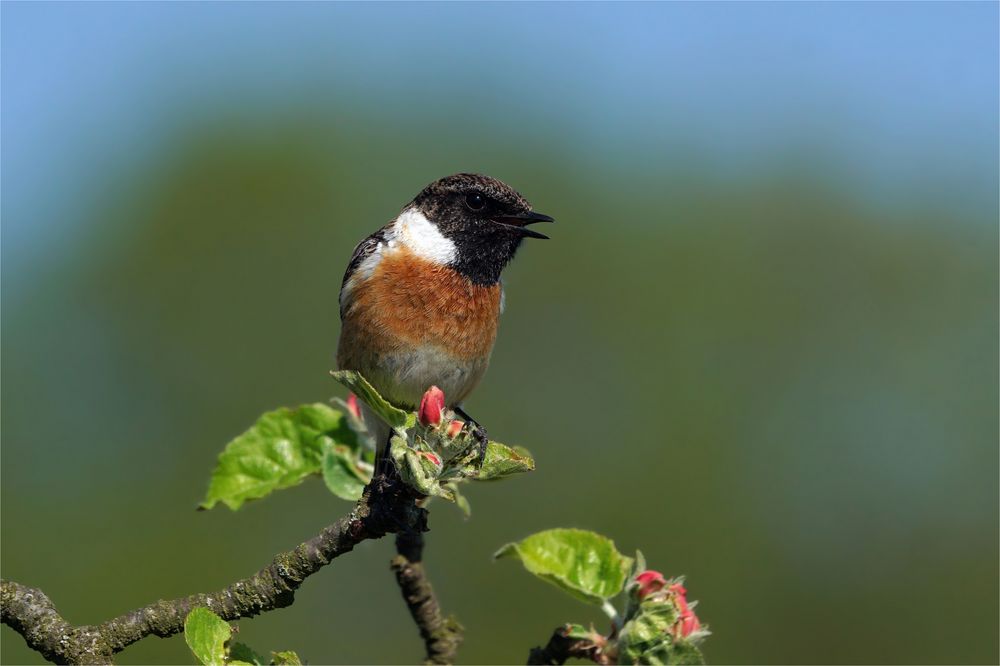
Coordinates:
[479,432]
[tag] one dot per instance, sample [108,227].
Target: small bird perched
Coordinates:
[422,296]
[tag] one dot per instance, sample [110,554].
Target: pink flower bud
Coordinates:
[431,407]
[680,595]
[430,456]
[649,582]
[688,624]
[454,428]
[352,405]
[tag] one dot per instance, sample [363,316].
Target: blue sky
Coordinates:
[901,99]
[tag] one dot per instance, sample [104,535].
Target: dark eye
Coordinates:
[475,201]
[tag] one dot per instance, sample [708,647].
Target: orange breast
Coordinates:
[411,302]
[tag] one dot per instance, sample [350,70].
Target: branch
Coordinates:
[562,646]
[386,506]
[441,635]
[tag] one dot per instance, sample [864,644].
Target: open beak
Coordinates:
[522,220]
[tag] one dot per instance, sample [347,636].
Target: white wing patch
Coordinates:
[367,266]
[363,271]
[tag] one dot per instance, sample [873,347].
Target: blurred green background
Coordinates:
[761,346]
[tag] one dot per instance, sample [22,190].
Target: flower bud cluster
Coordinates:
[432,413]
[438,453]
[431,450]
[651,586]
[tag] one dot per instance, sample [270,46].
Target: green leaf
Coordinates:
[206,634]
[502,460]
[286,657]
[241,653]
[415,470]
[640,563]
[460,500]
[278,451]
[585,564]
[578,631]
[685,652]
[342,475]
[394,416]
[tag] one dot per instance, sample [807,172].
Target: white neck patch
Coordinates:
[420,236]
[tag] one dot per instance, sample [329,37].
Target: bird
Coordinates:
[421,297]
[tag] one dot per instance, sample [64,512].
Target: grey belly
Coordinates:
[403,377]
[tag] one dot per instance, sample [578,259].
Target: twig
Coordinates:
[442,636]
[387,506]
[562,646]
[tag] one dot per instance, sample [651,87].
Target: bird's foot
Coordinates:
[478,432]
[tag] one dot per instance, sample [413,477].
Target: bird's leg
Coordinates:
[384,466]
[478,431]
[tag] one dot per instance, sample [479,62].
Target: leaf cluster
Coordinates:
[589,567]
[286,446]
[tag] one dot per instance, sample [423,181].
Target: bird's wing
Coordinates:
[366,249]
